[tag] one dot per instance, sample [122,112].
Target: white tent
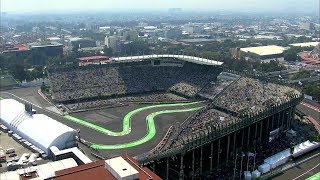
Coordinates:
[263,168]
[256,174]
[304,148]
[278,159]
[40,130]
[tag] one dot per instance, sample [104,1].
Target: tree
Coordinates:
[18,71]
[108,51]
[302,74]
[273,65]
[313,90]
[290,55]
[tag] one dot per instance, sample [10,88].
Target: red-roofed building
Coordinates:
[97,170]
[309,59]
[84,61]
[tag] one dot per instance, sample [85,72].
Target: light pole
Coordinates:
[254,160]
[248,154]
[242,155]
[235,165]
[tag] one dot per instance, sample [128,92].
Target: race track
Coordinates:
[127,125]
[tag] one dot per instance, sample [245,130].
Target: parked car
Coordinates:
[10,151]
[12,155]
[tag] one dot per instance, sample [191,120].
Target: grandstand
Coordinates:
[108,81]
[238,114]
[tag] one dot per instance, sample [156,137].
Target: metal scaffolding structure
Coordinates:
[206,151]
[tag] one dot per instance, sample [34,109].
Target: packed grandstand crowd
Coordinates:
[200,122]
[251,95]
[119,79]
[153,97]
[244,93]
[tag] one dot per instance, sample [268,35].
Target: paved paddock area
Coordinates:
[7,142]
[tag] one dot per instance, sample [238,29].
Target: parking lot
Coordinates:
[7,142]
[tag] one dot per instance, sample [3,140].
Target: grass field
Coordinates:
[7,81]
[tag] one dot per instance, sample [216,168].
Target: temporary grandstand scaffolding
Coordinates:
[222,143]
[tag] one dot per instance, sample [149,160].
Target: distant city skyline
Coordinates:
[118,5]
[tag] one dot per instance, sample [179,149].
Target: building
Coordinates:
[39,130]
[235,53]
[82,42]
[191,28]
[174,34]
[131,35]
[312,57]
[49,49]
[123,167]
[113,43]
[306,26]
[263,52]
[106,41]
[305,44]
[19,50]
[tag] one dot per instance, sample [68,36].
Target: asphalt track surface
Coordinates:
[304,170]
[310,108]
[150,134]
[151,127]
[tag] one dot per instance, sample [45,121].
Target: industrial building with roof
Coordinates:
[38,129]
[305,44]
[265,52]
[122,167]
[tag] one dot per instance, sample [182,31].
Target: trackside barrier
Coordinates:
[163,141]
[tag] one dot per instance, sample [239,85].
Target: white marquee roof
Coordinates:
[39,128]
[264,50]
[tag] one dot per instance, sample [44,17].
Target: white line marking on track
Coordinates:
[311,106]
[306,172]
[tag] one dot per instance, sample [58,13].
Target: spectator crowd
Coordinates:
[251,95]
[153,97]
[120,79]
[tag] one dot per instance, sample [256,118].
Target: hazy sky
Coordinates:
[240,5]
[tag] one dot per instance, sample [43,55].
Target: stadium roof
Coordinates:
[306,44]
[93,58]
[192,59]
[264,50]
[39,45]
[38,129]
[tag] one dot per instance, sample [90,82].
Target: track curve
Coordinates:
[127,125]
[151,131]
[126,129]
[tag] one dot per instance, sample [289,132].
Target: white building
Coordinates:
[44,171]
[38,129]
[106,41]
[113,42]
